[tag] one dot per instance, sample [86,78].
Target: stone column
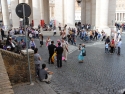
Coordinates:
[122,17]
[27,1]
[21,1]
[88,11]
[93,14]
[36,12]
[116,16]
[104,13]
[42,9]
[31,16]
[111,13]
[50,8]
[46,13]
[15,18]
[58,12]
[83,12]
[5,13]
[69,12]
[119,16]
[97,13]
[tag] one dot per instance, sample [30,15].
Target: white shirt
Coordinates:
[13,45]
[119,44]
[118,31]
[11,32]
[21,31]
[119,36]
[36,32]
[106,45]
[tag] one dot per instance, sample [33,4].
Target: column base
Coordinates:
[106,30]
[113,28]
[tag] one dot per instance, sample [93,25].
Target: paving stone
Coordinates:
[99,74]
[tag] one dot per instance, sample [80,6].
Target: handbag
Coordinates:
[84,53]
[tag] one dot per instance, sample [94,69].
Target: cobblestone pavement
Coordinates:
[99,74]
[37,88]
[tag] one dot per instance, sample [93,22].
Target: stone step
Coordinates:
[50,33]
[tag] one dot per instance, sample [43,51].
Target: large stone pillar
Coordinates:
[83,12]
[36,12]
[104,13]
[31,16]
[42,9]
[88,11]
[111,13]
[69,12]
[116,17]
[46,13]
[97,22]
[93,14]
[119,16]
[122,17]
[15,18]
[27,1]
[5,13]
[21,1]
[58,12]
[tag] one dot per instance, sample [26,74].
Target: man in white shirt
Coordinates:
[11,33]
[21,31]
[119,37]
[118,33]
[36,33]
[119,46]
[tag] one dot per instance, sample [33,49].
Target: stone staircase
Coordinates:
[5,85]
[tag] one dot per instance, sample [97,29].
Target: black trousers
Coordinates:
[119,50]
[95,37]
[59,28]
[112,49]
[50,55]
[103,38]
[37,67]
[59,60]
[2,37]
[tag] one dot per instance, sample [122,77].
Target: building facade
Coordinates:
[120,11]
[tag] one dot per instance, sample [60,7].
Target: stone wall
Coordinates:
[5,85]
[17,66]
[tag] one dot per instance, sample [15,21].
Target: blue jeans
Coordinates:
[106,50]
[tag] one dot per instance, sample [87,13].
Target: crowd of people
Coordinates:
[58,51]
[16,41]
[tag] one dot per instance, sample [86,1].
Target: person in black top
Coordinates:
[59,51]
[2,33]
[96,34]
[51,49]
[107,40]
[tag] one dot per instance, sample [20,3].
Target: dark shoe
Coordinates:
[65,60]
[52,62]
[80,62]
[48,82]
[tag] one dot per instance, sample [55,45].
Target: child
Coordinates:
[106,47]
